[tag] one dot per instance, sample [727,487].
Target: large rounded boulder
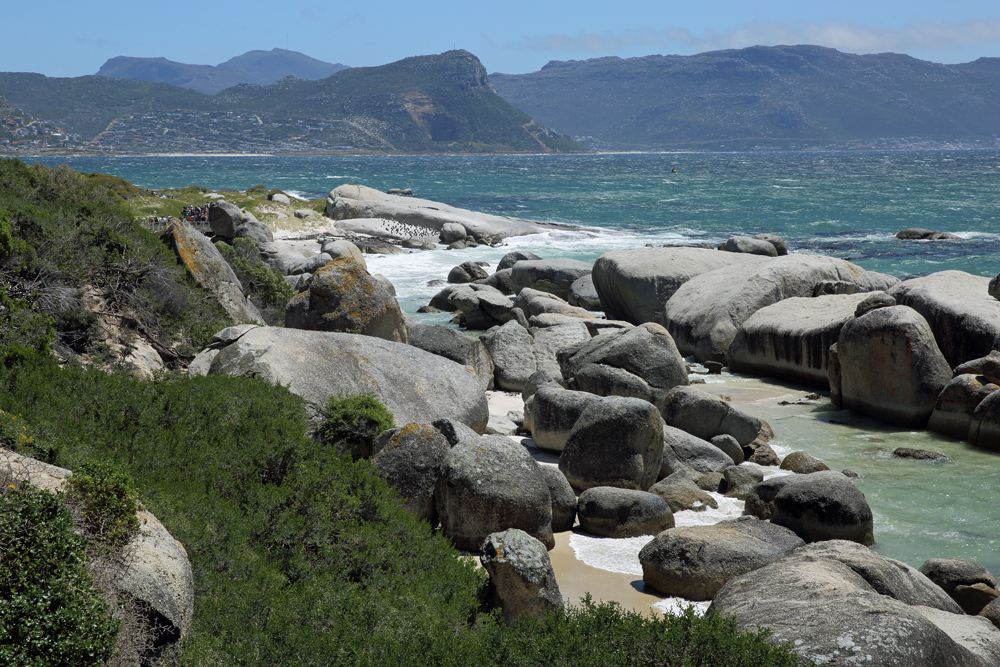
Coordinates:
[705,415]
[608,511]
[411,462]
[640,362]
[889,366]
[488,485]
[414,385]
[521,577]
[694,562]
[615,442]
[342,296]
[550,414]
[819,506]
[553,275]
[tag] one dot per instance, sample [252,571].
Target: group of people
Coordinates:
[196,213]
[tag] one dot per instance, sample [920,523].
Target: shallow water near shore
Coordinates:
[845,205]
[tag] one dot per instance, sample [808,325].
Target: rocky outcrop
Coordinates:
[357,201]
[416,386]
[749,245]
[984,427]
[607,511]
[957,403]
[343,248]
[342,296]
[639,362]
[964,317]
[533,302]
[685,452]
[694,562]
[208,268]
[791,339]
[411,461]
[970,585]
[491,484]
[563,499]
[467,272]
[288,260]
[889,367]
[553,275]
[818,506]
[681,493]
[521,577]
[635,284]
[706,312]
[583,294]
[615,442]
[159,574]
[550,414]
[481,306]
[452,344]
[510,348]
[704,415]
[919,234]
[832,614]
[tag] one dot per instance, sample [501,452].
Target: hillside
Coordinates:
[760,96]
[439,103]
[259,67]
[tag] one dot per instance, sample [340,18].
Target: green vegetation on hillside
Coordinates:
[438,103]
[72,251]
[303,557]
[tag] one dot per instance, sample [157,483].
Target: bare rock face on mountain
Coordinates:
[633,285]
[706,312]
[889,366]
[416,386]
[342,296]
[208,268]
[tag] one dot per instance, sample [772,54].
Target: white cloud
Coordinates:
[853,37]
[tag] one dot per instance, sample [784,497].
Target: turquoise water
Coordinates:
[841,204]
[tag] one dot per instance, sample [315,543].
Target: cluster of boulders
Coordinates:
[611,396]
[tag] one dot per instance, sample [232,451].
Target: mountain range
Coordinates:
[437,103]
[260,67]
[763,96]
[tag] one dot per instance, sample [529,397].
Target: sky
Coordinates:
[72,38]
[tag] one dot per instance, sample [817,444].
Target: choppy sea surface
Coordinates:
[845,205]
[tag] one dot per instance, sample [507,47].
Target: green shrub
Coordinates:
[108,502]
[266,286]
[259,190]
[50,613]
[352,422]
[24,334]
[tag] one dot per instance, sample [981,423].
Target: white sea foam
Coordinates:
[676,606]
[605,553]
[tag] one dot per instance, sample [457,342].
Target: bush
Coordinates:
[24,334]
[351,423]
[108,502]
[50,613]
[266,286]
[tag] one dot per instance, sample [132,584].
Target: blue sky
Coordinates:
[75,38]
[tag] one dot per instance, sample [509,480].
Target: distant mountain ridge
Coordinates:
[259,67]
[435,104]
[764,96]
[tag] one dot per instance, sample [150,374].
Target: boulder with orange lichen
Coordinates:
[343,296]
[206,265]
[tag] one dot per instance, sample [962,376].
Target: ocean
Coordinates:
[841,204]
